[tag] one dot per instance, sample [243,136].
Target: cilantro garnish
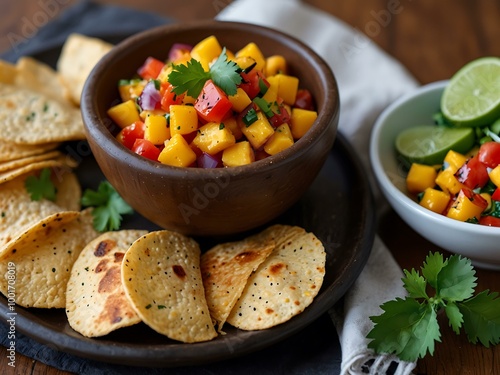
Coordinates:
[41,187]
[409,327]
[191,77]
[108,207]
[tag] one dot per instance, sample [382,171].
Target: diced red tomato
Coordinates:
[129,134]
[490,221]
[252,81]
[169,98]
[473,174]
[280,118]
[145,148]
[476,199]
[151,68]
[489,154]
[304,100]
[496,195]
[212,104]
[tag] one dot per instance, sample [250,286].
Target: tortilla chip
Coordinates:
[162,279]
[225,269]
[285,283]
[39,77]
[43,256]
[12,151]
[7,72]
[21,162]
[28,117]
[78,57]
[14,173]
[68,190]
[95,300]
[19,212]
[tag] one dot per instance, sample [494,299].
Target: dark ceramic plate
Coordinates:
[337,208]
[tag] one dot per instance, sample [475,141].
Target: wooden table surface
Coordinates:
[432,39]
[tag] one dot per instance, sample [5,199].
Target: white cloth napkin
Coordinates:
[368,81]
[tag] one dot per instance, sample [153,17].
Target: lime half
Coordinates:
[429,144]
[472,97]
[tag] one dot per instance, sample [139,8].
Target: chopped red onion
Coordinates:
[207,161]
[150,97]
[178,50]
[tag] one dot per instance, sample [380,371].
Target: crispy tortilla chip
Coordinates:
[28,117]
[79,55]
[14,173]
[21,162]
[285,283]
[39,77]
[69,190]
[11,151]
[43,256]
[95,300]
[7,72]
[226,268]
[162,279]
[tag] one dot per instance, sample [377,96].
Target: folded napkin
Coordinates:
[368,80]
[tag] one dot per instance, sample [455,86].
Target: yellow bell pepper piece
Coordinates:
[177,152]
[301,121]
[124,114]
[280,140]
[275,64]
[454,160]
[240,100]
[495,175]
[183,119]
[447,181]
[420,177]
[259,131]
[435,200]
[157,131]
[240,153]
[252,50]
[287,88]
[213,138]
[131,90]
[463,208]
[206,51]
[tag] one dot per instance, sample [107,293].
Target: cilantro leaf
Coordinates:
[406,328]
[481,316]
[455,317]
[108,207]
[41,187]
[225,74]
[415,284]
[433,264]
[189,78]
[456,280]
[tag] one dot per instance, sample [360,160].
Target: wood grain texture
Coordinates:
[432,39]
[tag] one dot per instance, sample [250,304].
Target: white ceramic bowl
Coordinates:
[479,243]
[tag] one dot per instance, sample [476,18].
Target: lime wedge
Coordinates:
[429,144]
[472,97]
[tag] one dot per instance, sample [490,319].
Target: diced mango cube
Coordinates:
[213,138]
[124,114]
[435,200]
[275,64]
[164,72]
[301,121]
[177,152]
[253,51]
[243,62]
[287,88]
[464,208]
[280,140]
[240,100]
[447,181]
[206,51]
[232,125]
[240,153]
[495,175]
[420,177]
[259,131]
[131,90]
[157,131]
[454,160]
[158,112]
[183,119]
[271,94]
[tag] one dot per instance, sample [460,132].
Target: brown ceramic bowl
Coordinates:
[220,201]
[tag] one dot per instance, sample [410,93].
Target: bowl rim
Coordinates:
[104,138]
[391,191]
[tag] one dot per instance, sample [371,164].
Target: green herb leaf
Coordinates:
[456,281]
[455,317]
[433,264]
[108,207]
[481,316]
[189,78]
[41,187]
[415,284]
[406,328]
[225,74]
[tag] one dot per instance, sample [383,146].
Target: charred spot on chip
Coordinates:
[119,257]
[179,271]
[109,281]
[276,268]
[104,247]
[246,256]
[101,266]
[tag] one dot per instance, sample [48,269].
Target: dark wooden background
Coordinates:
[433,39]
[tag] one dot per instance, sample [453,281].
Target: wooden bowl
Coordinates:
[206,202]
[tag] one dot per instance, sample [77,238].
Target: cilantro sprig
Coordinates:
[41,187]
[191,77]
[409,327]
[108,207]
